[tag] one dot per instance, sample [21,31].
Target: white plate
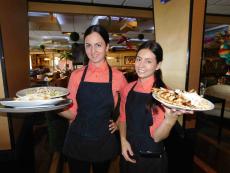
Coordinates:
[209,105]
[33,107]
[31,103]
[55,91]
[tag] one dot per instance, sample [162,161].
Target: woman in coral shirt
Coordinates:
[144,122]
[94,90]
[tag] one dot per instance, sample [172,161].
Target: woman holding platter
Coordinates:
[144,122]
[94,90]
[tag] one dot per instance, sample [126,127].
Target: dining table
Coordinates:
[220,90]
[219,94]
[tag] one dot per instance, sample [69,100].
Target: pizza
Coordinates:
[43,92]
[181,99]
[31,97]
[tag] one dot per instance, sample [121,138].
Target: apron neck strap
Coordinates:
[133,86]
[84,73]
[110,74]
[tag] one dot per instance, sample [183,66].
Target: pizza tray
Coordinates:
[39,108]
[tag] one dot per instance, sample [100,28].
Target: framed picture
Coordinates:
[129,60]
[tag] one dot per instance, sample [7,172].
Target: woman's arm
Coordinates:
[169,121]
[70,112]
[127,151]
[125,146]
[67,114]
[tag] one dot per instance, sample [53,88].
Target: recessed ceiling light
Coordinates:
[38,14]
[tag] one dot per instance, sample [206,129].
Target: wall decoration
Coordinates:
[129,60]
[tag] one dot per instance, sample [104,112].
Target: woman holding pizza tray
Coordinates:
[144,122]
[94,90]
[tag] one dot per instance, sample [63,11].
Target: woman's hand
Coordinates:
[112,126]
[127,151]
[171,115]
[67,114]
[175,112]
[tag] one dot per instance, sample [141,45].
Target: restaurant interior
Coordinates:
[56,41]
[54,38]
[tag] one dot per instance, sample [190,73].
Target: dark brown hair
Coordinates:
[98,29]
[158,52]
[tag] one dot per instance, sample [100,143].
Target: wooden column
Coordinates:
[179,29]
[15,37]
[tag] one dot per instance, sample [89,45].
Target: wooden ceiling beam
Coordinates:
[89,9]
[217,19]
[43,19]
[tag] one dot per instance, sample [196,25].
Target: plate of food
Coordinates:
[180,99]
[24,102]
[43,93]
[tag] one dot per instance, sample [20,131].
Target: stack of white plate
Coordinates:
[53,96]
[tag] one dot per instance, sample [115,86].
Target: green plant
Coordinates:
[42,47]
[66,55]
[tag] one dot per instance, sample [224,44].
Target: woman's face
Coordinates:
[95,48]
[146,63]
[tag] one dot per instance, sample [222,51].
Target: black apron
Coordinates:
[149,155]
[88,137]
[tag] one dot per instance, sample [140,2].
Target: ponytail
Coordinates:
[158,79]
[152,104]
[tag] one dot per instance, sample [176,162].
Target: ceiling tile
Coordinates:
[79,23]
[109,2]
[138,3]
[210,2]
[223,2]
[218,9]
[85,1]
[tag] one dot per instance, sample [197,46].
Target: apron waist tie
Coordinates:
[149,154]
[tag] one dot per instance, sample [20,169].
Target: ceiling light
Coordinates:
[59,19]
[109,57]
[136,39]
[38,14]
[96,19]
[217,28]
